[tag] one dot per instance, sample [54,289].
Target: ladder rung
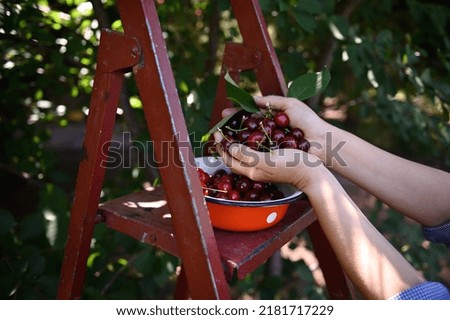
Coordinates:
[145,216]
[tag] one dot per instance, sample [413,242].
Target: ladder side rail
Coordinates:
[173,153]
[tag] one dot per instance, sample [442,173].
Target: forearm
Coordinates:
[376,268]
[418,191]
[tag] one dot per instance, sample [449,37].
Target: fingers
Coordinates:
[245,154]
[275,102]
[229,111]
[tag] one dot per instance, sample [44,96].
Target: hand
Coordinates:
[300,116]
[282,165]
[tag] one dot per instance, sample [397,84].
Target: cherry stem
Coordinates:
[235,130]
[216,190]
[265,132]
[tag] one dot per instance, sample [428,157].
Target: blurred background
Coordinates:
[390,84]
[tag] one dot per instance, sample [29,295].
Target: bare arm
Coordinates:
[419,192]
[376,268]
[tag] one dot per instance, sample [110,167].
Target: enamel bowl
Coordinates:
[233,215]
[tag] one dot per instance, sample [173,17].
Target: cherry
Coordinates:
[265,197]
[234,124]
[219,173]
[255,139]
[258,186]
[228,132]
[277,136]
[243,135]
[281,119]
[297,133]
[268,126]
[251,195]
[304,145]
[289,142]
[221,195]
[243,185]
[225,186]
[250,123]
[204,177]
[234,195]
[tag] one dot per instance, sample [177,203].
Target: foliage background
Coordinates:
[389,62]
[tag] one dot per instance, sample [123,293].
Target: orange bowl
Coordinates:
[234,215]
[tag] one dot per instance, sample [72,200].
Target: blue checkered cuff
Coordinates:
[438,234]
[424,291]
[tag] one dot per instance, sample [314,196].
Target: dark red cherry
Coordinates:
[265,197]
[251,124]
[289,142]
[243,185]
[225,186]
[258,186]
[219,173]
[278,136]
[297,133]
[255,140]
[268,126]
[234,195]
[204,177]
[242,136]
[304,145]
[227,141]
[221,195]
[251,195]
[281,119]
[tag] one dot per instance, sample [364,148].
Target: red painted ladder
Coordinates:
[209,257]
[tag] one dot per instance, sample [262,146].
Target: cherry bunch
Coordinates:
[263,132]
[231,186]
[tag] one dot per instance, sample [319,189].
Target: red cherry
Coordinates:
[297,133]
[258,186]
[252,195]
[219,173]
[268,126]
[221,195]
[234,195]
[255,140]
[204,177]
[242,136]
[277,136]
[250,123]
[289,142]
[224,186]
[304,145]
[265,197]
[281,119]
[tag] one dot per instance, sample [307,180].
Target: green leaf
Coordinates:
[222,122]
[310,6]
[306,21]
[7,221]
[240,96]
[309,85]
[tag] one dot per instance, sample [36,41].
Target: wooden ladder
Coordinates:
[174,217]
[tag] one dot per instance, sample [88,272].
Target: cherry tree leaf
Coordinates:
[309,85]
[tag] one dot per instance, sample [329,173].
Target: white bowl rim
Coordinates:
[240,203]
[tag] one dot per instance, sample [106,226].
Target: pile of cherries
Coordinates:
[263,132]
[231,186]
[259,131]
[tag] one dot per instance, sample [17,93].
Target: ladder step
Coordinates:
[145,216]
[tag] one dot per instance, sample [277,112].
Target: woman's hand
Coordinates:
[282,165]
[300,116]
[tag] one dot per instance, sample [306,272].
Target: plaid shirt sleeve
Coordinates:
[438,234]
[424,291]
